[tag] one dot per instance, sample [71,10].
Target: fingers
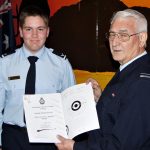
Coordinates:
[60,145]
[66,144]
[61,138]
[96,88]
[92,81]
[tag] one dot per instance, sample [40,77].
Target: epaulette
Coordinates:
[144,75]
[8,53]
[60,54]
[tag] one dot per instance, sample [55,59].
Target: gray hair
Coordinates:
[140,19]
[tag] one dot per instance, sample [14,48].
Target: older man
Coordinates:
[124,105]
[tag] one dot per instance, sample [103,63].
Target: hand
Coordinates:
[66,144]
[96,88]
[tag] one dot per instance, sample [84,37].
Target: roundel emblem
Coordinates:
[76,105]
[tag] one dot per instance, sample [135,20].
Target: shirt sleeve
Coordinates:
[68,77]
[2,99]
[131,129]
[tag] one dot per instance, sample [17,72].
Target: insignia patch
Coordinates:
[59,54]
[144,75]
[113,94]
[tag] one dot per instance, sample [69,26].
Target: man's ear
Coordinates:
[20,31]
[48,31]
[143,39]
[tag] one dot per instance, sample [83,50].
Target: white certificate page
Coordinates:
[68,114]
[79,109]
[44,117]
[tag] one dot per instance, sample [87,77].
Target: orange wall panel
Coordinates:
[57,4]
[143,3]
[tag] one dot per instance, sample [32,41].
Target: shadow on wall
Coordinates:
[79,32]
[73,32]
[40,3]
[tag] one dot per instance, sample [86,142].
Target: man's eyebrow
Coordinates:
[34,27]
[122,31]
[26,26]
[41,27]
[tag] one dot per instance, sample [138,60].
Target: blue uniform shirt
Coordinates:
[53,74]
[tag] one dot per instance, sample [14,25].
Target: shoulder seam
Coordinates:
[6,54]
[60,54]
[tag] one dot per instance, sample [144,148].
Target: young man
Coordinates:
[51,73]
[124,106]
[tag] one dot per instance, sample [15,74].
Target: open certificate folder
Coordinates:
[69,114]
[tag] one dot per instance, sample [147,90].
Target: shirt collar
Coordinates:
[28,53]
[126,64]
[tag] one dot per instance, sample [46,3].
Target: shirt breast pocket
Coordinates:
[18,84]
[15,89]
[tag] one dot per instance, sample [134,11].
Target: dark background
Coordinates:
[79,30]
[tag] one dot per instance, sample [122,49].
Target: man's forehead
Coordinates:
[123,27]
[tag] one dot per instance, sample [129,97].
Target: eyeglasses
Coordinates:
[123,37]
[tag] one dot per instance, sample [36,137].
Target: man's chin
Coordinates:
[34,50]
[117,58]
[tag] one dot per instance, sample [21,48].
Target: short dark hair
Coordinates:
[32,10]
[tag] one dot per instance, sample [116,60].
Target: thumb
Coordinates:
[61,138]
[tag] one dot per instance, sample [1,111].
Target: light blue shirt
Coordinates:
[53,74]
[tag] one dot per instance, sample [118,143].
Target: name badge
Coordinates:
[14,78]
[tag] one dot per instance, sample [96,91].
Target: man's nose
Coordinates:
[116,40]
[35,32]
